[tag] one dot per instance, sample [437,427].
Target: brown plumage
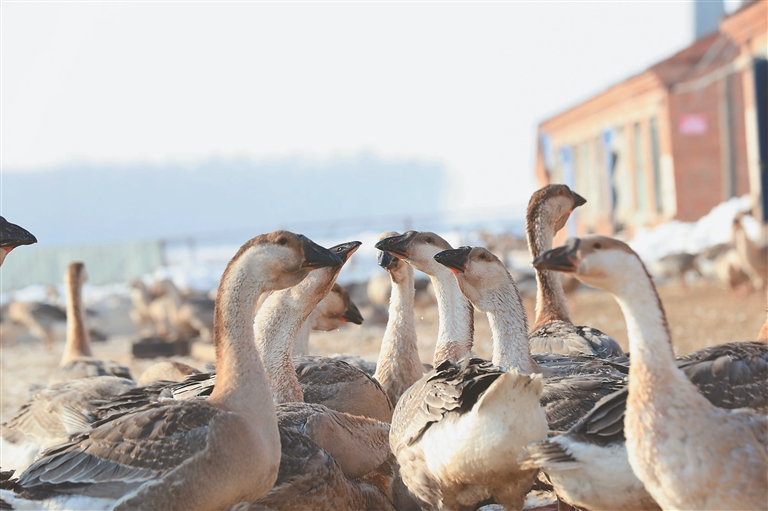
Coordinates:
[195,454]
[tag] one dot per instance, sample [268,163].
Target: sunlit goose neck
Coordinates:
[456,329]
[487,284]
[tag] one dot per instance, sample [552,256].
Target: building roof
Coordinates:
[695,60]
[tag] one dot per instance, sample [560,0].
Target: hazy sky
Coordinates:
[463,84]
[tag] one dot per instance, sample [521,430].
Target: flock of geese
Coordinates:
[558,406]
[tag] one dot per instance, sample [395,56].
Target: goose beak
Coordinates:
[352,314]
[559,259]
[397,245]
[12,235]
[345,250]
[578,200]
[386,260]
[455,260]
[316,256]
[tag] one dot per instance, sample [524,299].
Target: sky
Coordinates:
[461,84]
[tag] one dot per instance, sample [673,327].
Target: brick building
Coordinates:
[673,141]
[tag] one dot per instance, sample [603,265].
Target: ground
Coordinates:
[699,316]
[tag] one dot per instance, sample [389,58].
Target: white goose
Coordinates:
[687,452]
[201,454]
[455,334]
[552,330]
[77,361]
[458,431]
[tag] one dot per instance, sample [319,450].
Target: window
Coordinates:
[641,194]
[656,160]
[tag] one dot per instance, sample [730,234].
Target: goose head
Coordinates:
[552,205]
[480,274]
[598,261]
[345,250]
[418,248]
[334,310]
[12,236]
[398,269]
[290,257]
[76,274]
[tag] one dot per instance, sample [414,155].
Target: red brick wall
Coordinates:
[696,156]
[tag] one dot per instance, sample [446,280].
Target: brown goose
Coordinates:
[77,360]
[322,380]
[325,455]
[590,465]
[552,330]
[12,236]
[336,309]
[202,454]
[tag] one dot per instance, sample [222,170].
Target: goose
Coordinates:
[42,319]
[52,414]
[686,449]
[166,370]
[398,366]
[331,313]
[77,360]
[322,380]
[140,299]
[456,328]
[325,455]
[201,454]
[12,236]
[458,431]
[572,384]
[552,330]
[763,335]
[752,255]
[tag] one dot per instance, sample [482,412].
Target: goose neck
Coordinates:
[301,340]
[241,382]
[280,318]
[509,327]
[399,355]
[551,303]
[456,326]
[650,345]
[77,344]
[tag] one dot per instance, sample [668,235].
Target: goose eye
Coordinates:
[282,241]
[482,257]
[598,245]
[429,239]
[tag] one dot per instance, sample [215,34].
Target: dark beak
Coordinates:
[397,245]
[345,250]
[386,260]
[455,260]
[352,314]
[559,259]
[316,256]
[578,200]
[12,235]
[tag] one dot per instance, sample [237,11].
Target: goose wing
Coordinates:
[568,339]
[447,388]
[568,399]
[124,451]
[733,375]
[88,367]
[63,409]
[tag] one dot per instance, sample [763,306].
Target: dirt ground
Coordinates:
[699,316]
